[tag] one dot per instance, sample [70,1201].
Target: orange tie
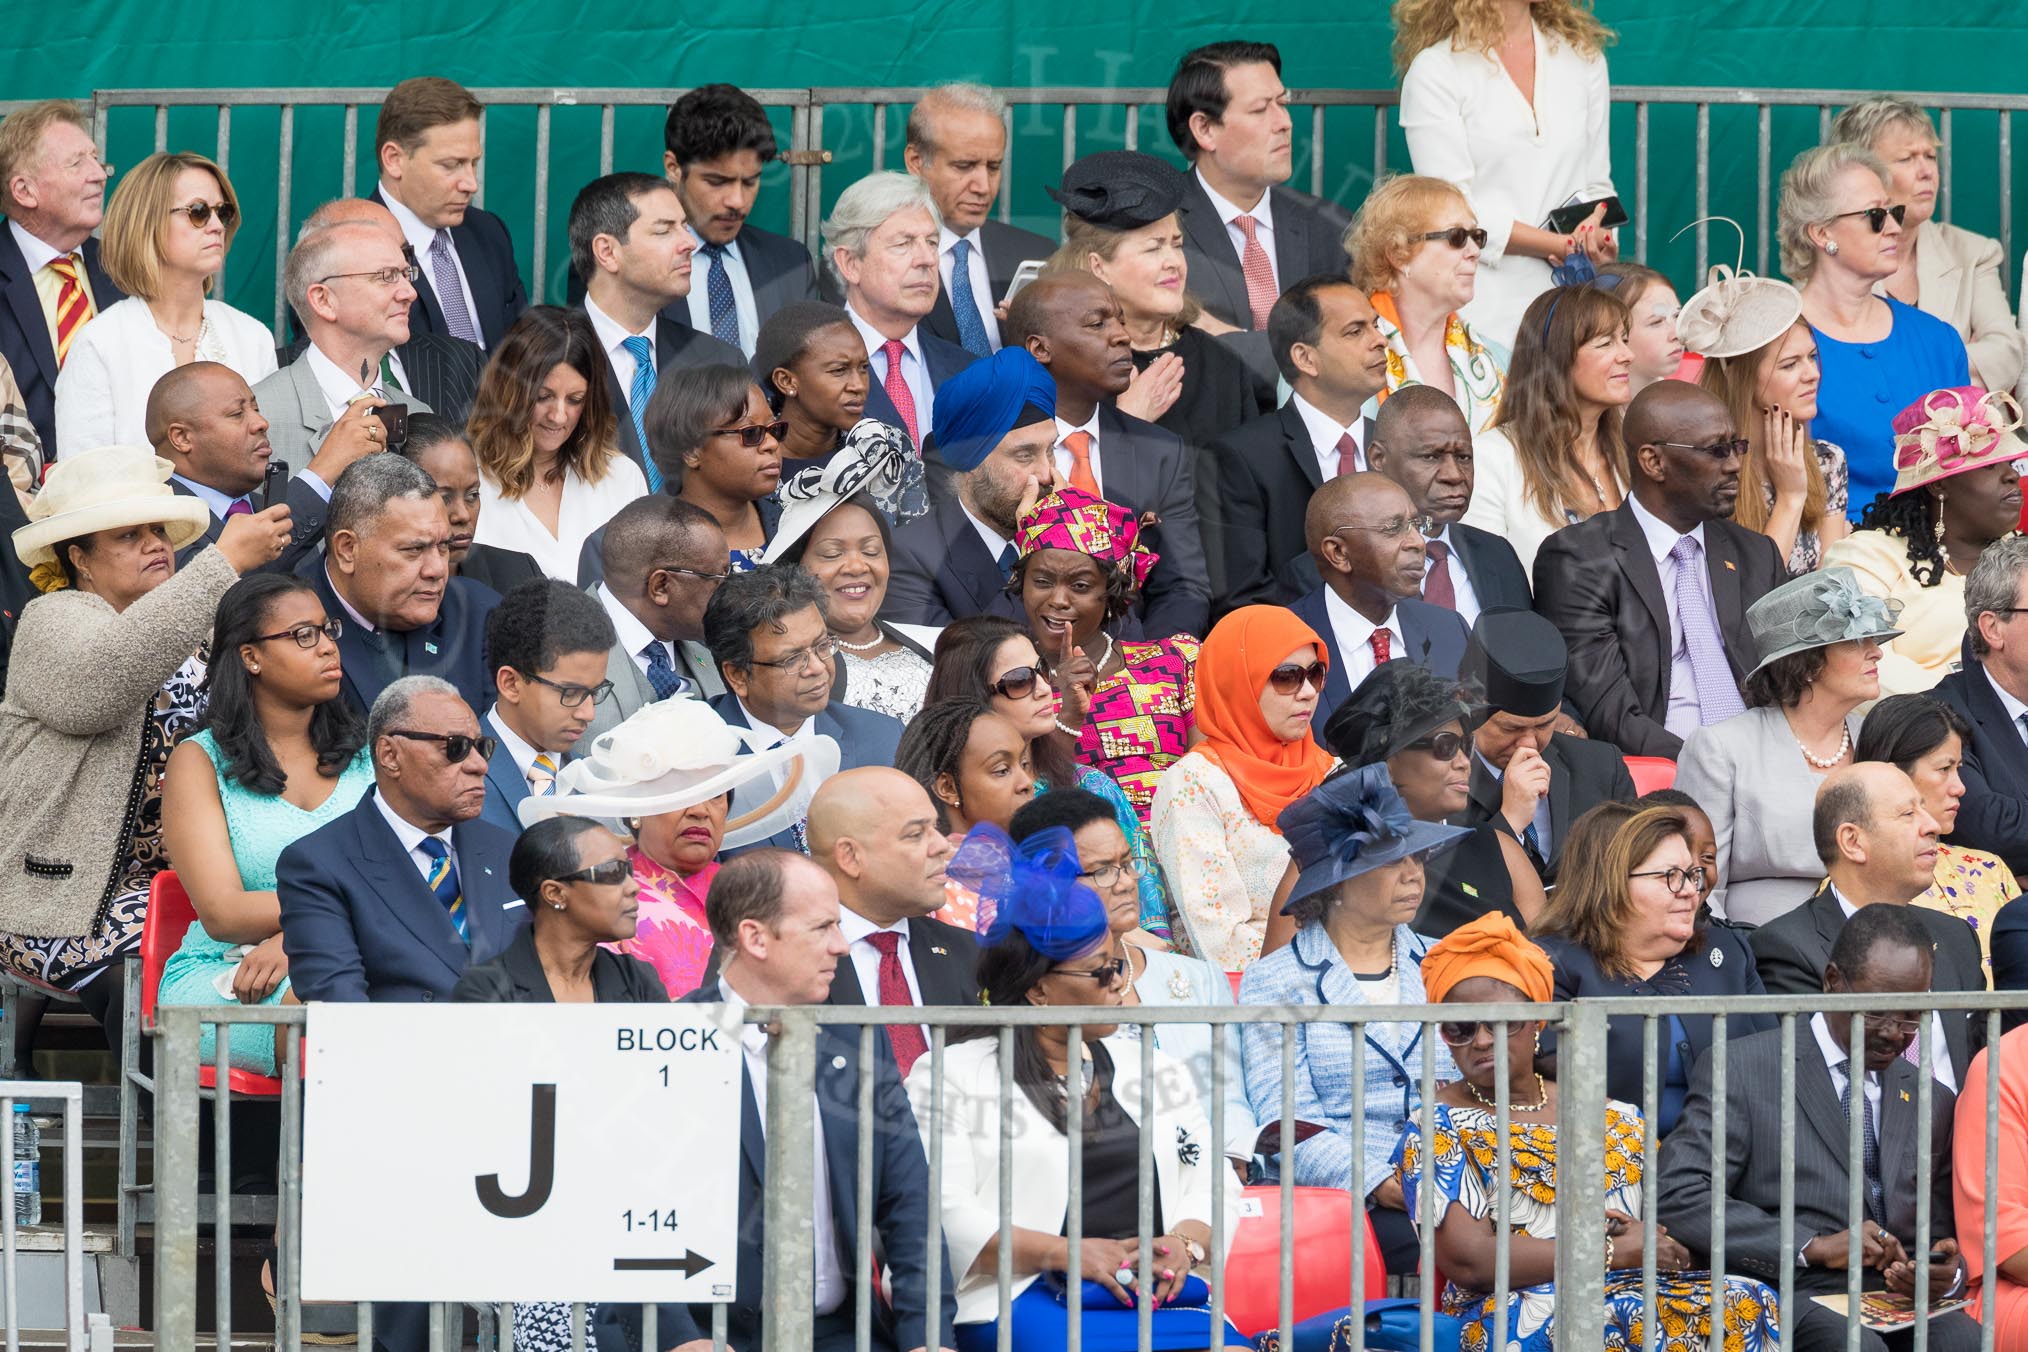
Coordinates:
[1079,446]
[73,304]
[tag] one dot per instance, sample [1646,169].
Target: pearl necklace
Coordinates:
[1844,745]
[879,638]
[1541,1102]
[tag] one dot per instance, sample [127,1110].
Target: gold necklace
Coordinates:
[1513,1107]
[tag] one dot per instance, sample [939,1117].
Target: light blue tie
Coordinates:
[971,328]
[637,403]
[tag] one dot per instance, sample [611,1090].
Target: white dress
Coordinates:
[507,523]
[102,391]
[1499,503]
[1467,122]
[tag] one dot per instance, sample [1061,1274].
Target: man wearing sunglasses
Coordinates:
[663,560]
[546,645]
[1366,541]
[1652,596]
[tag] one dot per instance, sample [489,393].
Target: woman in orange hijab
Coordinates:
[1213,819]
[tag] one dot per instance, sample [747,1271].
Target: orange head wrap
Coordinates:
[1489,946]
[1232,668]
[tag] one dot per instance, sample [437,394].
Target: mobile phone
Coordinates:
[394,418]
[275,484]
[1023,275]
[1571,215]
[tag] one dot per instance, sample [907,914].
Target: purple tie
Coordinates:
[451,289]
[238,507]
[1717,689]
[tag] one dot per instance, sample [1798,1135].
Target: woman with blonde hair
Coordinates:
[1509,101]
[1415,248]
[550,469]
[167,229]
[1554,454]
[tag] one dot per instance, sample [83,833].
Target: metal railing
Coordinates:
[1338,156]
[71,1095]
[788,1282]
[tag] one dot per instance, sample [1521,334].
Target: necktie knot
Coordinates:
[451,289]
[962,251]
[637,347]
[1246,226]
[433,847]
[1436,549]
[542,775]
[1685,549]
[1348,454]
[887,941]
[710,250]
[1382,643]
[892,350]
[1009,556]
[238,507]
[1081,476]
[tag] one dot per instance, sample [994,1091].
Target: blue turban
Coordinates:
[980,405]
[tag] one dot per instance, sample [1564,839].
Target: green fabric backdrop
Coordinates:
[1970,46]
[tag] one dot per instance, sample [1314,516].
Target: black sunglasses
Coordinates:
[572,696]
[754,434]
[1717,450]
[1462,1032]
[1109,974]
[1019,683]
[200,213]
[1458,234]
[1442,745]
[1876,217]
[605,875]
[306,634]
[457,746]
[1287,680]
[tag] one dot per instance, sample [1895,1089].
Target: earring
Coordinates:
[1831,246]
[254,670]
[1538,1042]
[557,906]
[1937,531]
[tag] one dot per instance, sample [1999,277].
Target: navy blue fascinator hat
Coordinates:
[1352,823]
[1032,887]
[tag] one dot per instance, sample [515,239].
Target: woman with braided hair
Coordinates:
[1955,492]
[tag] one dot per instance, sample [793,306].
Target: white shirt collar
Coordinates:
[37,252]
[350,613]
[1261,211]
[1661,536]
[730,247]
[407,832]
[946,237]
[767,729]
[1353,628]
[753,1037]
[338,386]
[627,627]
[510,741]
[216,501]
[1836,1058]
[612,333]
[856,927]
[1089,427]
[414,229]
[1325,430]
[987,535]
[2014,707]
[875,340]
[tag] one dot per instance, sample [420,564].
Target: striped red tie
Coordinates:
[73,304]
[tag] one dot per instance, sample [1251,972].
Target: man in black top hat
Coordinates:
[1528,779]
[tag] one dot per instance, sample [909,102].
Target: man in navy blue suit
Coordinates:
[881,240]
[766,631]
[774,920]
[546,647]
[428,145]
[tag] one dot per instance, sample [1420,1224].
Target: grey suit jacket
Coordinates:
[631,691]
[298,417]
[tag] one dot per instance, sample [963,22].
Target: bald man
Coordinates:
[1652,596]
[875,832]
[204,420]
[440,371]
[1072,325]
[1366,541]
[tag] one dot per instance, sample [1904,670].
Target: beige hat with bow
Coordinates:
[107,488]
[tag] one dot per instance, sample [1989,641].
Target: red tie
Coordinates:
[1348,454]
[1260,273]
[898,391]
[1079,446]
[1381,641]
[73,304]
[907,1037]
[1436,583]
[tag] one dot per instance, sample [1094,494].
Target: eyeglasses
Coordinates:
[379,276]
[1019,683]
[200,213]
[821,650]
[713,578]
[1464,1032]
[1717,450]
[1876,217]
[1676,879]
[1108,876]
[1398,527]
[1287,680]
[457,746]
[306,634]
[574,696]
[1458,234]
[1110,974]
[1888,1023]
[605,875]
[1442,745]
[754,434]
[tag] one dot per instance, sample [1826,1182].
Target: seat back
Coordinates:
[170,916]
[1323,1233]
[1651,772]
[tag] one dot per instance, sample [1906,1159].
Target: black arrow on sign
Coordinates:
[690,1264]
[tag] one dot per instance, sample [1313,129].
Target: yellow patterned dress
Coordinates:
[1972,885]
[1464,1157]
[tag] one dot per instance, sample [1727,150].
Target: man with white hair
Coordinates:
[957,144]
[881,241]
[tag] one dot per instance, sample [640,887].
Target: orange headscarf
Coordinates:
[1489,946]
[1232,669]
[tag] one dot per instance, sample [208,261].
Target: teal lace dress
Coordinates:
[260,827]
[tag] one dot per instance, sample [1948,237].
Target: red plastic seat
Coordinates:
[1323,1231]
[1651,772]
[170,916]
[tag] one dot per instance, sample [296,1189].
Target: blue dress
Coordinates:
[1866,384]
[260,826]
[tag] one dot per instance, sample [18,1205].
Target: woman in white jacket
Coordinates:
[1048,943]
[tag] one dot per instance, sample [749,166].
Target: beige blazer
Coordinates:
[1958,274]
[70,725]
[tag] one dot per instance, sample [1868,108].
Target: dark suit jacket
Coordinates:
[677,346]
[515,977]
[1754,1150]
[497,569]
[442,371]
[2010,955]
[1307,235]
[1266,471]
[1435,637]
[943,359]
[1498,578]
[1582,774]
[939,569]
[1993,815]
[946,962]
[1147,469]
[1006,247]
[901,1186]
[1792,949]
[452,646]
[24,333]
[591,563]
[358,923]
[863,737]
[506,786]
[306,529]
[1597,582]
[777,267]
[487,252]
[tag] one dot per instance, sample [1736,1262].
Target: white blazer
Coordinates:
[1188,1164]
[1467,122]
[507,523]
[102,391]
[1500,501]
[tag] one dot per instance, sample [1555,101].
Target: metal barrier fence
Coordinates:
[827,123]
[71,1095]
[788,1282]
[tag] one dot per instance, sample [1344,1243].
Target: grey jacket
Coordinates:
[631,690]
[298,416]
[70,725]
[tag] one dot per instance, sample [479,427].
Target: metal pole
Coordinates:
[1580,1177]
[176,1178]
[787,1275]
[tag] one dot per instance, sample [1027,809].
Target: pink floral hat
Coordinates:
[1953,430]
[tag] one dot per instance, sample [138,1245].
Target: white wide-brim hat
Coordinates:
[107,488]
[676,753]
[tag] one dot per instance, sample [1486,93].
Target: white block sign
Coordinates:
[520,1152]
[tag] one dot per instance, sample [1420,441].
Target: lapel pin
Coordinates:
[838,1063]
[1469,890]
[940,952]
[431,648]
[1729,568]
[1717,958]
[1904,1096]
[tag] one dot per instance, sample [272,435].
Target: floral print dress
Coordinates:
[1463,1153]
[1972,885]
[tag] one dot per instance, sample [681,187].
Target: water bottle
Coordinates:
[27,1168]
